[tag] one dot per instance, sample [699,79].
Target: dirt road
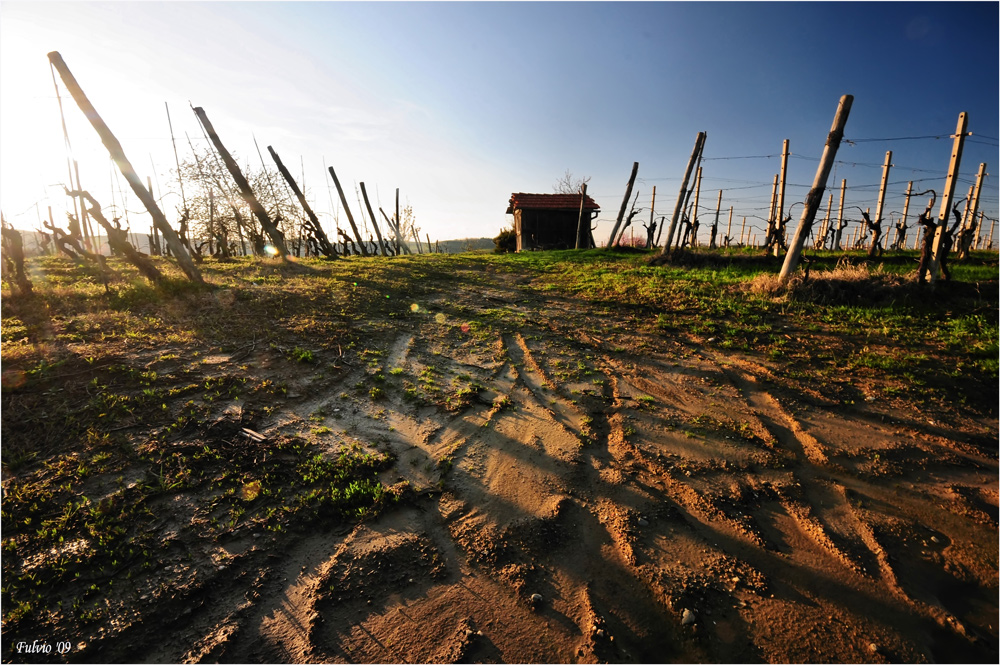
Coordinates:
[594,490]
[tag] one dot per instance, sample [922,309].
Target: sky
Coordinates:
[460,104]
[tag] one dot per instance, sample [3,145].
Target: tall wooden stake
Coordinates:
[699,145]
[815,196]
[715,225]
[781,187]
[840,214]
[234,170]
[971,211]
[729,229]
[979,230]
[949,192]
[324,242]
[371,214]
[579,220]
[694,210]
[877,237]
[347,209]
[118,155]
[621,212]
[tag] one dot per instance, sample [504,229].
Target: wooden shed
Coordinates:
[549,221]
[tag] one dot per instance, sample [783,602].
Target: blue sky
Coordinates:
[461,104]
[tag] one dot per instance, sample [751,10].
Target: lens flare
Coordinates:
[465,327]
[414,307]
[13,379]
[440,318]
[271,249]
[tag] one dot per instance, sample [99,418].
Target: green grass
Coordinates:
[101,385]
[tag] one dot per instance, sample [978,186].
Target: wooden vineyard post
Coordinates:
[371,214]
[652,216]
[347,209]
[815,196]
[771,216]
[621,212]
[729,229]
[430,249]
[579,220]
[840,215]
[968,233]
[949,192]
[877,232]
[742,229]
[825,227]
[715,224]
[118,155]
[399,229]
[234,170]
[699,145]
[900,241]
[88,233]
[780,207]
[694,210]
[317,229]
[154,243]
[979,230]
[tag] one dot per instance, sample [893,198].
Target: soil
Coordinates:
[609,493]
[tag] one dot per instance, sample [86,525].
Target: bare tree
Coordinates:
[568,184]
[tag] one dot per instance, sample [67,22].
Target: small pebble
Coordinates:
[687,618]
[536,598]
[873,647]
[642,522]
[935,539]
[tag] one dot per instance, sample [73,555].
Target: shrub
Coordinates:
[505,242]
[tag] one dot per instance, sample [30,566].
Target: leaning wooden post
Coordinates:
[742,229]
[234,170]
[324,242]
[780,208]
[694,209]
[621,212]
[825,227]
[399,229]
[900,242]
[699,145]
[715,225]
[877,235]
[771,216]
[729,229]
[118,155]
[652,207]
[949,192]
[371,214]
[815,196]
[979,230]
[972,210]
[347,209]
[840,215]
[579,220]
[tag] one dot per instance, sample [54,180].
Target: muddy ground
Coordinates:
[604,492]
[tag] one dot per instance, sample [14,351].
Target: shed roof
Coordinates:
[523,201]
